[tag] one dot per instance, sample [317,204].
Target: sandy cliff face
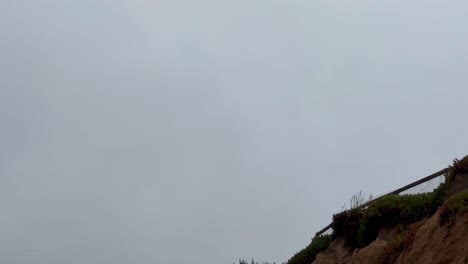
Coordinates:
[337,252]
[371,254]
[438,244]
[432,243]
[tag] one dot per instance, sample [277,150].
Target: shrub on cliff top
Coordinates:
[360,227]
[393,210]
[346,224]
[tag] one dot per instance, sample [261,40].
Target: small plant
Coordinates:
[357,200]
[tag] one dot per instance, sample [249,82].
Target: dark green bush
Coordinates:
[308,254]
[346,224]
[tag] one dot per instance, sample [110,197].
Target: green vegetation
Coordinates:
[455,205]
[397,209]
[308,254]
[346,224]
[360,227]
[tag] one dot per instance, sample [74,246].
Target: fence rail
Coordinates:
[397,191]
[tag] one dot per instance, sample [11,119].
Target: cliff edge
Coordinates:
[431,242]
[441,238]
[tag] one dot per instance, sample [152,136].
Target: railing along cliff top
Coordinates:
[397,191]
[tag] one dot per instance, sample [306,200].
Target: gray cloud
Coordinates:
[176,132]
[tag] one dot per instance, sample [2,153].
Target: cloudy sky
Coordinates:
[152,131]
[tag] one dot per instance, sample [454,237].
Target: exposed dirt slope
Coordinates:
[337,252]
[371,254]
[438,244]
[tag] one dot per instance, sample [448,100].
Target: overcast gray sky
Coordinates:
[139,131]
